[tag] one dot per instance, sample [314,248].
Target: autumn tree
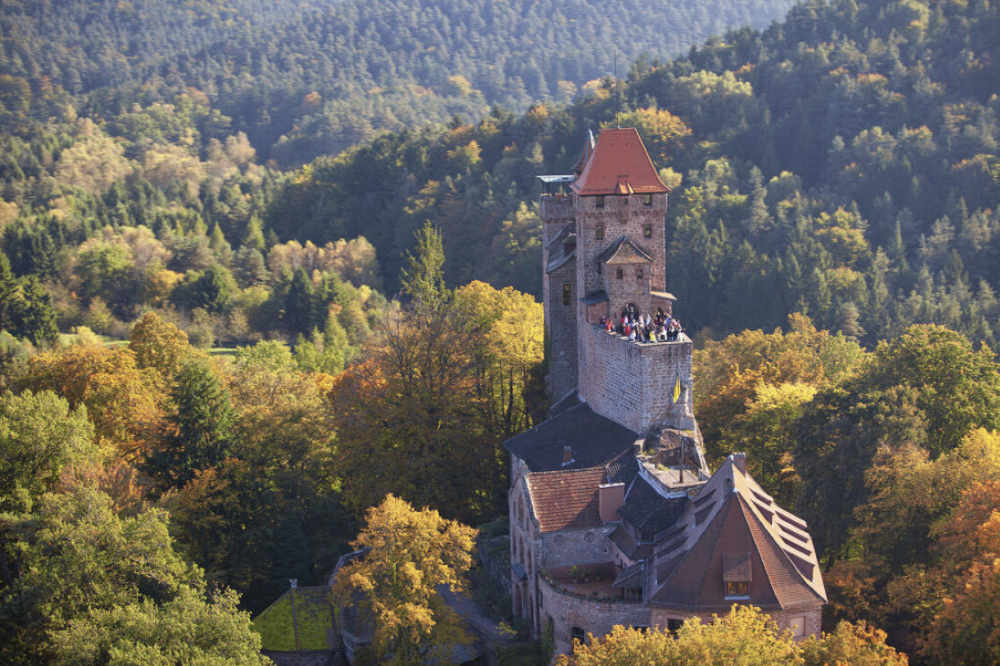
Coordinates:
[271,509]
[916,536]
[859,643]
[408,556]
[745,636]
[751,369]
[123,400]
[159,344]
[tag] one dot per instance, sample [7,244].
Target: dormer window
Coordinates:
[638,273]
[736,575]
[599,202]
[737,589]
[620,273]
[599,232]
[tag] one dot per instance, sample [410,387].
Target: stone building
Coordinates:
[615,517]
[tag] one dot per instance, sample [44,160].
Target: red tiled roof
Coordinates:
[739,539]
[565,499]
[619,165]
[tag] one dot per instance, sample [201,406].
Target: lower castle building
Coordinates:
[615,517]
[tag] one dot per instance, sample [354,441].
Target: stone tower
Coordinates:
[605,252]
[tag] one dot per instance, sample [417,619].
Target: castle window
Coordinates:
[599,202]
[674,625]
[647,199]
[578,634]
[737,589]
[647,231]
[798,626]
[599,232]
[638,273]
[567,293]
[620,273]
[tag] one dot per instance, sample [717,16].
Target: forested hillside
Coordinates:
[843,164]
[836,181]
[308,77]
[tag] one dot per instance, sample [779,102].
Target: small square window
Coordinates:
[599,202]
[599,232]
[638,273]
[737,588]
[567,293]
[620,273]
[647,230]
[647,199]
[674,625]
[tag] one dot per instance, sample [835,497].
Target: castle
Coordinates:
[614,515]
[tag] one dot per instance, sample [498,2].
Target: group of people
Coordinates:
[643,328]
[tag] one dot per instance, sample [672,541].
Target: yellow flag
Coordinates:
[677,389]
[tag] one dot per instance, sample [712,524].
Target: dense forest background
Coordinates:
[257,254]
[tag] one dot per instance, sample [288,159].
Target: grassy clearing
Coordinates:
[312,609]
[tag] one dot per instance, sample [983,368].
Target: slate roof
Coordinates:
[648,511]
[619,164]
[624,251]
[594,439]
[565,499]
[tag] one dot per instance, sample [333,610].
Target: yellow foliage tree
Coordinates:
[744,637]
[662,131]
[409,554]
[123,401]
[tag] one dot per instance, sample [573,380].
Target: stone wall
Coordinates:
[561,329]
[633,383]
[566,610]
[567,547]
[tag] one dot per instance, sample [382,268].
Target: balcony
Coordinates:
[586,581]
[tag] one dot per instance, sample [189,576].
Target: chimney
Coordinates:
[739,461]
[610,497]
[567,455]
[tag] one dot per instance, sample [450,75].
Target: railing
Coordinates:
[681,338]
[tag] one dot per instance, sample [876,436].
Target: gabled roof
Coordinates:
[733,525]
[565,499]
[619,164]
[624,251]
[594,440]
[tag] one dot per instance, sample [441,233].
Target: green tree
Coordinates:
[71,556]
[200,429]
[41,438]
[423,276]
[187,629]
